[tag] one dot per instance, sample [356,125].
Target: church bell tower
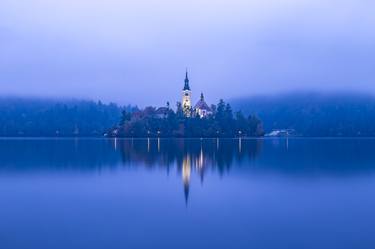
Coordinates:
[186,97]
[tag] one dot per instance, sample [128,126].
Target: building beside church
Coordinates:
[200,109]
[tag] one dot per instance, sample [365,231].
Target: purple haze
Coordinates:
[137,51]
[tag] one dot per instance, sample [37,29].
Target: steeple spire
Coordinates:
[186,86]
[202,97]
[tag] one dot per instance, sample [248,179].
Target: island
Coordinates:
[201,120]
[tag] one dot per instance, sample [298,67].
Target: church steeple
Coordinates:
[186,86]
[186,97]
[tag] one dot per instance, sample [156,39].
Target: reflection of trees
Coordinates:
[212,153]
[93,154]
[293,156]
[56,154]
[189,156]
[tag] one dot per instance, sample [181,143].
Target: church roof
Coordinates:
[201,104]
[162,110]
[186,86]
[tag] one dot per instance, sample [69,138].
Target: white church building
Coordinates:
[200,109]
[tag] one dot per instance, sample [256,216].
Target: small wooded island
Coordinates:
[201,120]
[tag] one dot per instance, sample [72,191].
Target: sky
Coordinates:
[136,52]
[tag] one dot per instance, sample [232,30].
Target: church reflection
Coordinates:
[188,157]
[186,169]
[193,160]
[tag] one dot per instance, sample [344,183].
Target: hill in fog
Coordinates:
[309,114]
[314,114]
[48,117]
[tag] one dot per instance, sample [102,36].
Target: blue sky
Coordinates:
[137,51]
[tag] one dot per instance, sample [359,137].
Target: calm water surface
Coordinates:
[268,193]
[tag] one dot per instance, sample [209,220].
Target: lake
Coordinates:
[187,193]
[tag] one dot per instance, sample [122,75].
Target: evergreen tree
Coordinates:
[176,124]
[220,110]
[179,111]
[241,124]
[228,114]
[126,116]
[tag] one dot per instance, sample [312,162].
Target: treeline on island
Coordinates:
[32,117]
[165,122]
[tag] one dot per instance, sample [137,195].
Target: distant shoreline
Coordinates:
[183,138]
[309,115]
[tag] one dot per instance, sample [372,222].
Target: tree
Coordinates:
[222,123]
[125,116]
[255,127]
[220,110]
[241,123]
[179,110]
[228,114]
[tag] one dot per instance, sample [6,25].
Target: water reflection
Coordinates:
[219,155]
[188,156]
[166,152]
[186,169]
[83,185]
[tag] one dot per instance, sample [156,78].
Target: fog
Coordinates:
[137,51]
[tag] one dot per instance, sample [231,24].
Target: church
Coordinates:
[200,109]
